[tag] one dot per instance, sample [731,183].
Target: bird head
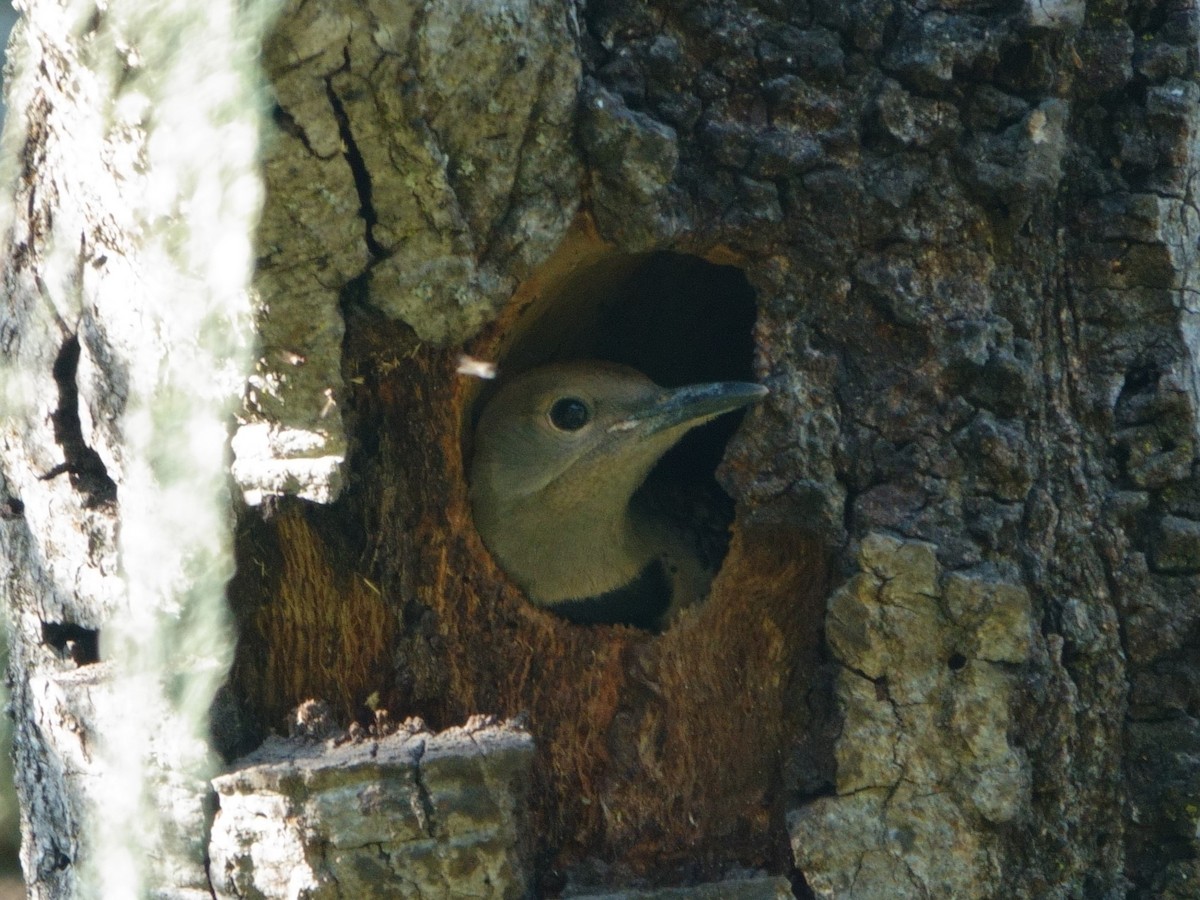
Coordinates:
[585,434]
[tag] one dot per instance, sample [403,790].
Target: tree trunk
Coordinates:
[951,648]
[126,339]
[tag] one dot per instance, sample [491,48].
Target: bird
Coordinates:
[560,453]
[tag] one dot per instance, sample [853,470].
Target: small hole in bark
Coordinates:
[81,645]
[677,318]
[1139,378]
[956,662]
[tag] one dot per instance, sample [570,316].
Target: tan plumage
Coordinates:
[559,453]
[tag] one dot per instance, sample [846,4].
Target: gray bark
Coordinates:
[408,815]
[957,243]
[127,248]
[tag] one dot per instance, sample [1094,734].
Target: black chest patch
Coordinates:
[640,603]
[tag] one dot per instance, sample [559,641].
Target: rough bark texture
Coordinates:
[122,361]
[411,814]
[956,241]
[421,152]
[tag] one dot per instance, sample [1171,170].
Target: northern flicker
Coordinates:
[560,454]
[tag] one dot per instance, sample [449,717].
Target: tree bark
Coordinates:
[126,340]
[951,650]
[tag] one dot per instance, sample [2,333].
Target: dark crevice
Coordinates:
[287,123]
[53,860]
[358,169]
[426,814]
[11,508]
[799,885]
[83,464]
[81,644]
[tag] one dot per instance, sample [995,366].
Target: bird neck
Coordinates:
[560,545]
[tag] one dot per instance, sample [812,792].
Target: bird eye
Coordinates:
[569,414]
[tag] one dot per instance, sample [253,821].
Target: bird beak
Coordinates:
[692,405]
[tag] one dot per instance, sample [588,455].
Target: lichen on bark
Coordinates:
[970,236]
[928,667]
[420,163]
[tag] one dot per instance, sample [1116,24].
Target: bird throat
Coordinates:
[568,549]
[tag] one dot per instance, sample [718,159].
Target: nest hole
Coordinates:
[678,318]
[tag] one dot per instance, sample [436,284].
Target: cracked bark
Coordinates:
[80,462]
[970,238]
[358,169]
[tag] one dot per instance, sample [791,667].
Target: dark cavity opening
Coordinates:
[81,463]
[81,645]
[679,319]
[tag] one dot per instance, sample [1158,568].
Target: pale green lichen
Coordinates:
[929,668]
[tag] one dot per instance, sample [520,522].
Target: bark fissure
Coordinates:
[358,167]
[88,474]
[971,236]
[287,123]
[426,811]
